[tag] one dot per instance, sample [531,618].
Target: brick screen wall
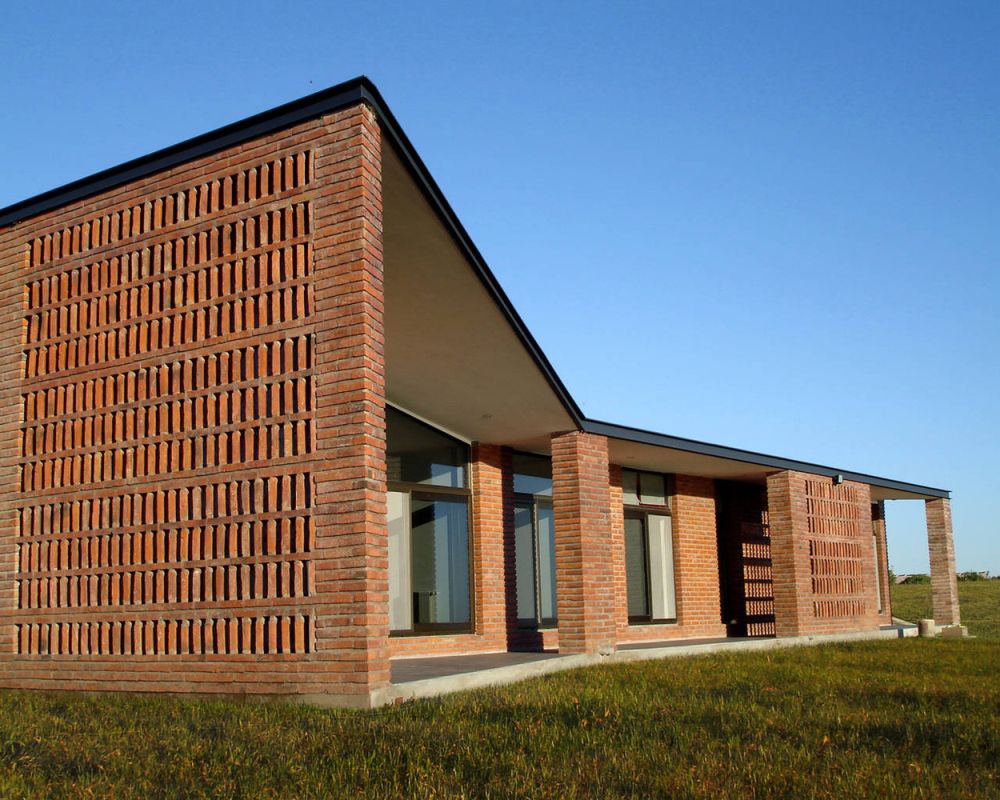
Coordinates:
[170,455]
[823,553]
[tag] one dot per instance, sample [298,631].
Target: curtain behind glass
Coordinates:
[439,538]
[636,579]
[547,562]
[524,557]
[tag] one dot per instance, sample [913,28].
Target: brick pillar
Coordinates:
[882,556]
[786,509]
[696,555]
[489,481]
[944,585]
[351,557]
[584,572]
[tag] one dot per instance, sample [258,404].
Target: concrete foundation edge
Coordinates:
[436,687]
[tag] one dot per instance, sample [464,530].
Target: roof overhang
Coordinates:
[657,451]
[531,399]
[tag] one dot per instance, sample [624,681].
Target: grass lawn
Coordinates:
[913,718]
[980,602]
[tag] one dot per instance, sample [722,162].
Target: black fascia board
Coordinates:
[641,436]
[357,90]
[276,119]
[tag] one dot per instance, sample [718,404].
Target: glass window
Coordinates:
[636,577]
[653,489]
[630,487]
[649,568]
[535,562]
[643,488]
[428,527]
[546,562]
[532,474]
[418,453]
[524,557]
[439,536]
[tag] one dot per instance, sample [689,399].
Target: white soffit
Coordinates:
[451,356]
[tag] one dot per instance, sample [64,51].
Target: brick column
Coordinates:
[351,539]
[944,584]
[489,484]
[696,555]
[786,509]
[882,556]
[584,571]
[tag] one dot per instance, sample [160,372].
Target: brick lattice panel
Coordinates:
[836,524]
[156,349]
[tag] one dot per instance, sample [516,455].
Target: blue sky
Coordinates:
[778,222]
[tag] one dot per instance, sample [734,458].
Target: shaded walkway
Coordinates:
[433,676]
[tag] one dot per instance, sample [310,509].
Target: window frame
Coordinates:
[540,623]
[431,492]
[643,511]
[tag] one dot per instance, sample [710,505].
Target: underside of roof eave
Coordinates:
[666,441]
[343,95]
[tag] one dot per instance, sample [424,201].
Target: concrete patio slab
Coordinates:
[415,678]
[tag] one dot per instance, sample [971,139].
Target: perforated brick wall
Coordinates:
[197,374]
[823,553]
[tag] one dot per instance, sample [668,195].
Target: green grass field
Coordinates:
[913,718]
[980,601]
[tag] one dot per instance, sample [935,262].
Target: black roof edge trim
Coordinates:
[275,119]
[641,436]
[360,89]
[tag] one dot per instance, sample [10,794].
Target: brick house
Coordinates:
[269,422]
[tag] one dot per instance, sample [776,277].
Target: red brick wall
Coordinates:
[352,562]
[584,574]
[696,564]
[944,583]
[822,552]
[199,375]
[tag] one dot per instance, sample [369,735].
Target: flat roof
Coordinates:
[361,89]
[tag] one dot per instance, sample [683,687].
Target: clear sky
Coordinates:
[779,223]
